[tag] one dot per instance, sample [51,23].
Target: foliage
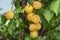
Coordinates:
[50,21]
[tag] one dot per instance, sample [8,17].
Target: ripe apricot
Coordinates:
[32,27]
[9,14]
[38,26]
[33,34]
[30,16]
[37,5]
[36,19]
[28,9]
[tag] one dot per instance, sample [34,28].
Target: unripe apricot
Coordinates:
[38,26]
[28,9]
[36,19]
[33,34]
[32,27]
[9,14]
[37,5]
[30,16]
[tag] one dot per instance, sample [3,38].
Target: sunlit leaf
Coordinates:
[55,6]
[11,27]
[48,15]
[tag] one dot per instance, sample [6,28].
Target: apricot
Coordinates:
[38,26]
[9,14]
[34,34]
[36,19]
[37,5]
[28,9]
[32,27]
[30,16]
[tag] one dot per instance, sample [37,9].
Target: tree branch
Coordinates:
[2,36]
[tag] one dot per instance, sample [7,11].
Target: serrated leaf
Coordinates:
[47,15]
[11,27]
[55,6]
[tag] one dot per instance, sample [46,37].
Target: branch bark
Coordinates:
[2,36]
[23,3]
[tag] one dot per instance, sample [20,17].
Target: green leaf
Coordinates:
[38,38]
[57,35]
[55,6]
[30,1]
[19,9]
[47,15]
[18,21]
[58,28]
[11,27]
[2,20]
[27,37]
[50,35]
[59,9]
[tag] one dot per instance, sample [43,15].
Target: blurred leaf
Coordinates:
[19,9]
[27,37]
[59,9]
[11,27]
[46,25]
[30,1]
[2,20]
[55,6]
[38,38]
[48,15]
[50,36]
[18,21]
[57,35]
[21,26]
[58,28]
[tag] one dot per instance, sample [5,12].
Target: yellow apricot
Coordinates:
[37,5]
[30,16]
[28,9]
[33,34]
[38,26]
[32,27]
[36,19]
[9,14]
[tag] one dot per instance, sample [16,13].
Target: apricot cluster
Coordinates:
[32,17]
